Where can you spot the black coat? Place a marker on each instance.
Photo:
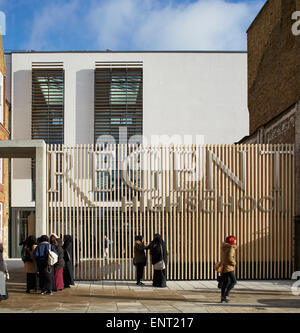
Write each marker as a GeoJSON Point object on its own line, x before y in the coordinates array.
{"type": "Point", "coordinates": [68, 258]}
{"type": "Point", "coordinates": [158, 252]}
{"type": "Point", "coordinates": [68, 252]}
{"type": "Point", "coordinates": [139, 253]}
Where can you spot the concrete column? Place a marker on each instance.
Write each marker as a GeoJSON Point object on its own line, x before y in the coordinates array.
{"type": "Point", "coordinates": [297, 187]}
{"type": "Point", "coordinates": [41, 195]}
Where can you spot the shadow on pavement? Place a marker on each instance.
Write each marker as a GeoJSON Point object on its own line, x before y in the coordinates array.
{"type": "Point", "coordinates": [280, 303]}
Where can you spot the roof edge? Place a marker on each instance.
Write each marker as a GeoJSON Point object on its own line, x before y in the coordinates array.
{"type": "Point", "coordinates": [183, 51]}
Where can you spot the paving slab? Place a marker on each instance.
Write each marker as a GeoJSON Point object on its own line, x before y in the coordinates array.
{"type": "Point", "coordinates": [267, 296]}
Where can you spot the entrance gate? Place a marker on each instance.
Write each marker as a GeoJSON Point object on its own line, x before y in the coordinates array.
{"type": "Point", "coordinates": [194, 196]}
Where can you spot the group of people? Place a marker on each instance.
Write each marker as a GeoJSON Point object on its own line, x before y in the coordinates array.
{"type": "Point", "coordinates": [159, 260]}
{"type": "Point", "coordinates": [35, 255]}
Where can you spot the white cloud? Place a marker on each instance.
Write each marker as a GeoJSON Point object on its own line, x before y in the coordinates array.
{"type": "Point", "coordinates": [169, 25]}
{"type": "Point", "coordinates": [51, 23]}
{"type": "Point", "coordinates": [142, 25]}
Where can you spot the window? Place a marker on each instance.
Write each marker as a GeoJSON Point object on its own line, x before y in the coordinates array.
{"type": "Point", "coordinates": [1, 98]}
{"type": "Point", "coordinates": [48, 105]}
{"type": "Point", "coordinates": [47, 116]}
{"type": "Point", "coordinates": [118, 102]}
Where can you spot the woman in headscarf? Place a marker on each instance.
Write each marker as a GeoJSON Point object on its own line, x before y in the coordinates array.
{"type": "Point", "coordinates": [3, 276]}
{"type": "Point", "coordinates": [159, 258]}
{"type": "Point", "coordinates": [46, 272]}
{"type": "Point", "coordinates": [68, 255]}
{"type": "Point", "coordinates": [59, 266]}
{"type": "Point", "coordinates": [30, 264]}
{"type": "Point", "coordinates": [139, 259]}
{"type": "Point", "coordinates": [228, 262]}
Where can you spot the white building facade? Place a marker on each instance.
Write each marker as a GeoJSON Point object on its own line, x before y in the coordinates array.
{"type": "Point", "coordinates": [163, 97]}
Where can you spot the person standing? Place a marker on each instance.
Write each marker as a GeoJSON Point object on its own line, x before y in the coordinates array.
{"type": "Point", "coordinates": [3, 276]}
{"type": "Point", "coordinates": [77, 252]}
{"type": "Point", "coordinates": [139, 259]}
{"type": "Point", "coordinates": [30, 264]}
{"type": "Point", "coordinates": [59, 266]}
{"type": "Point", "coordinates": [68, 268]}
{"type": "Point", "coordinates": [159, 258]}
{"type": "Point", "coordinates": [106, 244]}
{"type": "Point", "coordinates": [46, 272]}
{"type": "Point", "coordinates": [228, 261]}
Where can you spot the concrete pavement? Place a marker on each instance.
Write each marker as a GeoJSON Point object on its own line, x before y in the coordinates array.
{"type": "Point", "coordinates": [126, 297]}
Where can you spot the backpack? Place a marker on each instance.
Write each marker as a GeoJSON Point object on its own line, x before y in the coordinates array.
{"type": "Point", "coordinates": [25, 255]}
{"type": "Point", "coordinates": [52, 258]}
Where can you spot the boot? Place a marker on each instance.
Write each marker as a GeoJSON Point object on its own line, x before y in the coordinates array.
{"type": "Point", "coordinates": [224, 299]}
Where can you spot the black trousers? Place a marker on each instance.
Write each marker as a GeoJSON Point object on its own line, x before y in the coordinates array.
{"type": "Point", "coordinates": [139, 272]}
{"type": "Point", "coordinates": [31, 281]}
{"type": "Point", "coordinates": [229, 280]}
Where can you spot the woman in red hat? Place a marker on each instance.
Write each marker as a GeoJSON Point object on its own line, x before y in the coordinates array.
{"type": "Point", "coordinates": [228, 261]}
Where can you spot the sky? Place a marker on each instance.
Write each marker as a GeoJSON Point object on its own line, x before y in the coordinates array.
{"type": "Point", "coordinates": [127, 25]}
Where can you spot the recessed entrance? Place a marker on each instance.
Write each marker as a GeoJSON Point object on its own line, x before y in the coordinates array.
{"type": "Point", "coordinates": [22, 225]}
{"type": "Point", "coordinates": [27, 220]}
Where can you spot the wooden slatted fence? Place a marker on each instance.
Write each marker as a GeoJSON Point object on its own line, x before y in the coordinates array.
{"type": "Point", "coordinates": [194, 196]}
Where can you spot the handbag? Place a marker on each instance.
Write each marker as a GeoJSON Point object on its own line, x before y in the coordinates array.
{"type": "Point", "coordinates": [219, 267]}
{"type": "Point", "coordinates": [52, 258]}
{"type": "Point", "coordinates": [160, 265]}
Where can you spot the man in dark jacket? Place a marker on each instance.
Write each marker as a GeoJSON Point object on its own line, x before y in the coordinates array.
{"type": "Point", "coordinates": [46, 272]}
{"type": "Point", "coordinates": [139, 259]}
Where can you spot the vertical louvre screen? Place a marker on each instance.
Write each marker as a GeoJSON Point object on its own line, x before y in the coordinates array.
{"type": "Point", "coordinates": [194, 196]}
{"type": "Point", "coordinates": [118, 102]}
{"type": "Point", "coordinates": [48, 105]}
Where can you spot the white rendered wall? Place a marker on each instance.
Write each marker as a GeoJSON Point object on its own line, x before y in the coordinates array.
{"type": "Point", "coordinates": [184, 93]}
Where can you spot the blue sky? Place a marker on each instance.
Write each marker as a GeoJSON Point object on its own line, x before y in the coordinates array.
{"type": "Point", "coordinates": [48, 25]}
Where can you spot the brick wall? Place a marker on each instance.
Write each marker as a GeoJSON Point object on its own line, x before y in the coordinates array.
{"type": "Point", "coordinates": [4, 187]}
{"type": "Point", "coordinates": [280, 129]}
{"type": "Point", "coordinates": [273, 63]}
